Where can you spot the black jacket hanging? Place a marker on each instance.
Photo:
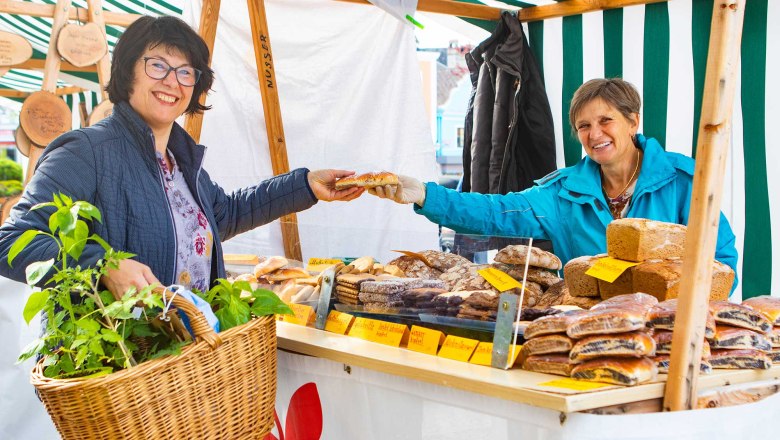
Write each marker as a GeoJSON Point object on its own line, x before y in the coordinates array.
{"type": "Point", "coordinates": [510, 138]}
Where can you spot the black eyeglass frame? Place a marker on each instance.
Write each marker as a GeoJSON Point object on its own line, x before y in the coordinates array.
{"type": "Point", "coordinates": [175, 71]}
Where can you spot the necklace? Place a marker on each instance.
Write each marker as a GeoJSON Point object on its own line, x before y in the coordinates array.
{"type": "Point", "coordinates": [631, 179]}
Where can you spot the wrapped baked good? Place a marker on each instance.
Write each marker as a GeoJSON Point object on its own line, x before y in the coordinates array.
{"type": "Point", "coordinates": [739, 338]}
{"type": "Point", "coordinates": [633, 300]}
{"type": "Point", "coordinates": [774, 337]}
{"type": "Point", "coordinates": [769, 306]}
{"type": "Point", "coordinates": [578, 282]}
{"type": "Point", "coordinates": [740, 359]}
{"type": "Point", "coordinates": [547, 325]}
{"type": "Point", "coordinates": [663, 343]}
{"type": "Point", "coordinates": [774, 355]}
{"type": "Point", "coordinates": [662, 316]}
{"type": "Point", "coordinates": [634, 344]}
{"type": "Point", "coordinates": [639, 239]}
{"type": "Point", "coordinates": [618, 371]}
{"type": "Point", "coordinates": [549, 363]}
{"type": "Point", "coordinates": [518, 254]}
{"type": "Point", "coordinates": [367, 180]}
{"type": "Point", "coordinates": [557, 343]}
{"type": "Point", "coordinates": [662, 362]}
{"type": "Point", "coordinates": [739, 315]}
{"type": "Point", "coordinates": [606, 321]}
{"type": "Point", "coordinates": [269, 265]}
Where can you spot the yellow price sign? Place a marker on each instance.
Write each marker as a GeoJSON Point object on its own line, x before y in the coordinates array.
{"type": "Point", "coordinates": [363, 328]}
{"type": "Point", "coordinates": [498, 279]}
{"type": "Point", "coordinates": [338, 322]}
{"type": "Point", "coordinates": [574, 384]}
{"type": "Point", "coordinates": [457, 348]}
{"type": "Point", "coordinates": [320, 264]}
{"type": "Point", "coordinates": [302, 314]}
{"type": "Point", "coordinates": [609, 269]}
{"type": "Point", "coordinates": [483, 355]}
{"type": "Point", "coordinates": [425, 340]}
{"type": "Point", "coordinates": [389, 333]}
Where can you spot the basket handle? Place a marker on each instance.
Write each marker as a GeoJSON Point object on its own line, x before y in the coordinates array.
{"type": "Point", "coordinates": [200, 326]}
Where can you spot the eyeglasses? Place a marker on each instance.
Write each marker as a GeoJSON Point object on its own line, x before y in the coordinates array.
{"type": "Point", "coordinates": [156, 68]}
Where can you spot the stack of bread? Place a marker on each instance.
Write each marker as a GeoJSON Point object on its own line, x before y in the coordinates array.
{"type": "Point", "coordinates": [607, 343]}
{"type": "Point", "coordinates": [660, 320]}
{"type": "Point", "coordinates": [770, 307]}
{"type": "Point", "coordinates": [293, 284]}
{"type": "Point", "coordinates": [741, 337]}
{"type": "Point", "coordinates": [658, 247]}
{"type": "Point", "coordinates": [387, 294]}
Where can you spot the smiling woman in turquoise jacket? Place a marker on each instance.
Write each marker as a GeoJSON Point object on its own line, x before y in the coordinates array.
{"type": "Point", "coordinates": [624, 174]}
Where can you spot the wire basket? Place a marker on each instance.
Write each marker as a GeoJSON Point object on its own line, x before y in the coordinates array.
{"type": "Point", "coordinates": [222, 386]}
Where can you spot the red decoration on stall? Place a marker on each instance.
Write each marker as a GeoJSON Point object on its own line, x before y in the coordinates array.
{"type": "Point", "coordinates": [304, 416]}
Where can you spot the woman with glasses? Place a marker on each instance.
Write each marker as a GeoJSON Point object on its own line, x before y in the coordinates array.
{"type": "Point", "coordinates": [145, 174]}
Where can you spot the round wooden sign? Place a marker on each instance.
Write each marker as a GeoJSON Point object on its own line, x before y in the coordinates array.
{"type": "Point", "coordinates": [44, 116]}
{"type": "Point", "coordinates": [100, 112]}
{"type": "Point", "coordinates": [23, 143]}
{"type": "Point", "coordinates": [14, 49]}
{"type": "Point", "coordinates": [82, 45]}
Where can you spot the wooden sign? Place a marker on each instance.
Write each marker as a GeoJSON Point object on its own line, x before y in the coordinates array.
{"type": "Point", "coordinates": [82, 45]}
{"type": "Point", "coordinates": [23, 143]}
{"type": "Point", "coordinates": [100, 112]}
{"type": "Point", "coordinates": [14, 49]}
{"type": "Point", "coordinates": [44, 116]}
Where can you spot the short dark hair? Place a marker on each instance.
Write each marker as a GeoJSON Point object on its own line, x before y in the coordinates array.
{"type": "Point", "coordinates": [150, 32]}
{"type": "Point", "coordinates": [617, 92]}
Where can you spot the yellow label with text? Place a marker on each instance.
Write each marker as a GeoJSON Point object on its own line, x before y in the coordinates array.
{"type": "Point", "coordinates": [303, 314]}
{"type": "Point", "coordinates": [362, 328]}
{"type": "Point", "coordinates": [338, 322]}
{"type": "Point", "coordinates": [498, 279]}
{"type": "Point", "coordinates": [609, 269]}
{"type": "Point", "coordinates": [574, 384]}
{"type": "Point", "coordinates": [389, 333]}
{"type": "Point", "coordinates": [483, 355]}
{"type": "Point", "coordinates": [425, 340]}
{"type": "Point", "coordinates": [320, 264]}
{"type": "Point", "coordinates": [457, 348]}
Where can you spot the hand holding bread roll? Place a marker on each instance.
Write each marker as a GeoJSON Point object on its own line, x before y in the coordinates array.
{"type": "Point", "coordinates": [408, 190]}
{"type": "Point", "coordinates": [323, 185]}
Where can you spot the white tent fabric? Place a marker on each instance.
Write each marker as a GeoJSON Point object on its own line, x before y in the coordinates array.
{"type": "Point", "coordinates": [350, 90]}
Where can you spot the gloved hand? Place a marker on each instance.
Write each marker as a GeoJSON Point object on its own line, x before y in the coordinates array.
{"type": "Point", "coordinates": [408, 190]}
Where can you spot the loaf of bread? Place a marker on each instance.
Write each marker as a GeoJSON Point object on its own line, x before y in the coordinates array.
{"type": "Point", "coordinates": [443, 261]}
{"type": "Point", "coordinates": [414, 268]}
{"type": "Point", "coordinates": [769, 306]}
{"type": "Point", "coordinates": [622, 285]}
{"type": "Point", "coordinates": [553, 296]}
{"type": "Point", "coordinates": [662, 316]}
{"type": "Point", "coordinates": [549, 363]}
{"type": "Point", "coordinates": [577, 281]}
{"type": "Point", "coordinates": [548, 344]}
{"type": "Point", "coordinates": [661, 278]}
{"type": "Point", "coordinates": [738, 315]}
{"type": "Point", "coordinates": [287, 274]}
{"type": "Point", "coordinates": [619, 371]}
{"type": "Point", "coordinates": [518, 254]}
{"type": "Point", "coordinates": [638, 239]}
{"type": "Point", "coordinates": [367, 180]}
{"type": "Point", "coordinates": [583, 302]}
{"type": "Point", "coordinates": [269, 265]}
{"type": "Point", "coordinates": [739, 338]}
{"type": "Point", "coordinates": [634, 344]}
{"type": "Point", "coordinates": [747, 359]}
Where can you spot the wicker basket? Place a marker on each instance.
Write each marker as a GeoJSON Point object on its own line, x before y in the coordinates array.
{"type": "Point", "coordinates": [222, 386]}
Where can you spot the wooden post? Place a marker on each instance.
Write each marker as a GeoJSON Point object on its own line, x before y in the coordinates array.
{"type": "Point", "coordinates": [701, 238]}
{"type": "Point", "coordinates": [104, 65]}
{"type": "Point", "coordinates": [273, 117]}
{"type": "Point", "coordinates": [209, 18]}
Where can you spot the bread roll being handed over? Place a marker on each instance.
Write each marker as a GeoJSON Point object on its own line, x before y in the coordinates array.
{"type": "Point", "coordinates": [368, 180]}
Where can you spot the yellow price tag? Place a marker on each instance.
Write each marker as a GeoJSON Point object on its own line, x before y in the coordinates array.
{"type": "Point", "coordinates": [425, 340]}
{"type": "Point", "coordinates": [338, 322]}
{"type": "Point", "coordinates": [483, 355]}
{"type": "Point", "coordinates": [457, 348]}
{"type": "Point", "coordinates": [608, 268]}
{"type": "Point", "coordinates": [498, 279]}
{"type": "Point", "coordinates": [303, 314]}
{"type": "Point", "coordinates": [389, 333]}
{"type": "Point", "coordinates": [363, 328]}
{"type": "Point", "coordinates": [320, 264]}
{"type": "Point", "coordinates": [574, 384]}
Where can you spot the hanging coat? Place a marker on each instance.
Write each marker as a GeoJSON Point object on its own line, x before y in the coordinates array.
{"type": "Point", "coordinates": [512, 140]}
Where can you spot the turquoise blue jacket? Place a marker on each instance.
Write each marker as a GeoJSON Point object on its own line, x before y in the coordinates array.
{"type": "Point", "coordinates": [568, 206]}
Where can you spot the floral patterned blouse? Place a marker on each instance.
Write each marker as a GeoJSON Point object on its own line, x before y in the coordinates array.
{"type": "Point", "coordinates": [619, 205]}
{"type": "Point", "coordinates": [194, 236]}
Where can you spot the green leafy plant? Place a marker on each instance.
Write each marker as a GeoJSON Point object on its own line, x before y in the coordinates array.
{"type": "Point", "coordinates": [88, 332]}
{"type": "Point", "coordinates": [236, 303]}
{"type": "Point", "coordinates": [10, 170]}
{"type": "Point", "coordinates": [10, 188]}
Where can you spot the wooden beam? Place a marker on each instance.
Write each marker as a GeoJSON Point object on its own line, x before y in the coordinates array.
{"type": "Point", "coordinates": [40, 10]}
{"type": "Point", "coordinates": [701, 236]}
{"type": "Point", "coordinates": [575, 7]}
{"type": "Point", "coordinates": [450, 7]}
{"type": "Point", "coordinates": [69, 90]}
{"type": "Point", "coordinates": [209, 18]}
{"type": "Point", "coordinates": [95, 9]}
{"type": "Point", "coordinates": [40, 64]}
{"type": "Point", "coordinates": [52, 65]}
{"type": "Point", "coordinates": [273, 117]}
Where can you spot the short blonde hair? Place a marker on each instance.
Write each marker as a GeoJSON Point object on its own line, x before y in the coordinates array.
{"type": "Point", "coordinates": [616, 92]}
